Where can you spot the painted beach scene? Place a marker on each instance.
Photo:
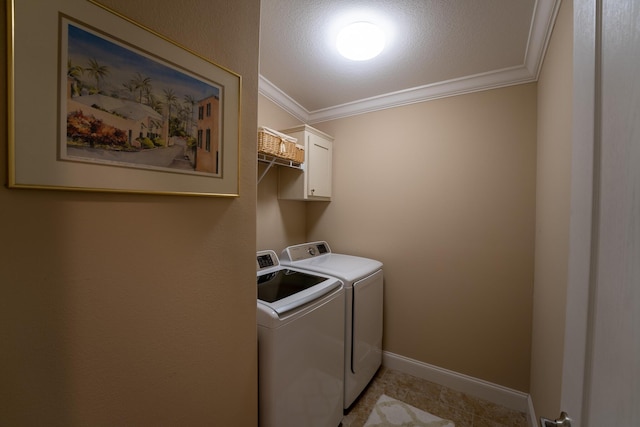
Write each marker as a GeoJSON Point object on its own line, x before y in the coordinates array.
{"type": "Point", "coordinates": [125, 107]}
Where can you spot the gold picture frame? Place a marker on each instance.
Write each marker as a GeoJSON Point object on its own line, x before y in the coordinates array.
{"type": "Point", "coordinates": [99, 102]}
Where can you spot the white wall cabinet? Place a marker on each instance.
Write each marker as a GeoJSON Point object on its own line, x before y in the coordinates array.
{"type": "Point", "coordinates": [313, 180]}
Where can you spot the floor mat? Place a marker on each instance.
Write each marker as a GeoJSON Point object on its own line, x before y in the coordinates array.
{"type": "Point", "coordinates": [390, 412]}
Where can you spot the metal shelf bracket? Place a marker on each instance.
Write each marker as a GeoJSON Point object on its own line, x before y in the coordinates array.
{"type": "Point", "coordinates": [276, 161]}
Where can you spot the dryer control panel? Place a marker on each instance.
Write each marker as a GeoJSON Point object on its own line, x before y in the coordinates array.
{"type": "Point", "coordinates": [305, 251]}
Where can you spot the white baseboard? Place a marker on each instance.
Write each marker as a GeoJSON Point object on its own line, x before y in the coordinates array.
{"type": "Point", "coordinates": [495, 393]}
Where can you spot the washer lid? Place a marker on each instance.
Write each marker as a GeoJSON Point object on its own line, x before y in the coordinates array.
{"type": "Point", "coordinates": [285, 289]}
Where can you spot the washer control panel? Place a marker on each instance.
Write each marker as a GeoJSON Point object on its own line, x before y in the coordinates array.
{"type": "Point", "coordinates": [266, 259]}
{"type": "Point", "coordinates": [305, 251]}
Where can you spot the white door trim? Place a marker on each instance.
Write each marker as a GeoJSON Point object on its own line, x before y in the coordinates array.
{"type": "Point", "coordinates": [584, 200]}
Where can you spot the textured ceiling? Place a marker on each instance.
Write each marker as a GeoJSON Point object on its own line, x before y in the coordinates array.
{"type": "Point", "coordinates": [436, 48]}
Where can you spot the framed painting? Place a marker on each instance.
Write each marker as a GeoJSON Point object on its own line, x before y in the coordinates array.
{"type": "Point", "coordinates": [98, 102]}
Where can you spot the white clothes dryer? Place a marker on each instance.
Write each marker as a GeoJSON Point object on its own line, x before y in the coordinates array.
{"type": "Point", "coordinates": [363, 283]}
{"type": "Point", "coordinates": [300, 318]}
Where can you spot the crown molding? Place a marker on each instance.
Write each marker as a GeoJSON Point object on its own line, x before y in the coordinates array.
{"type": "Point", "coordinates": [544, 18]}
{"type": "Point", "coordinates": [464, 85]}
{"type": "Point", "coordinates": [545, 12]}
{"type": "Point", "coordinates": [284, 101]}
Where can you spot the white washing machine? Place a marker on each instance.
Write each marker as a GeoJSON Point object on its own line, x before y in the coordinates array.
{"type": "Point", "coordinates": [363, 283]}
{"type": "Point", "coordinates": [300, 346]}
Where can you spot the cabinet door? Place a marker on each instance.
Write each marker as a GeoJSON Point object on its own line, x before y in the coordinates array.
{"type": "Point", "coordinates": [319, 166]}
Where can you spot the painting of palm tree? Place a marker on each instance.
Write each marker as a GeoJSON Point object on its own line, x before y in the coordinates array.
{"type": "Point", "coordinates": [128, 108]}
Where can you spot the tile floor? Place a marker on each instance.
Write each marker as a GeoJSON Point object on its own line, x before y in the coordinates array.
{"type": "Point", "coordinates": [462, 409]}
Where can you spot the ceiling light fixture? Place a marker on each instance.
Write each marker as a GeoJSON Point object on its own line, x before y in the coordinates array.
{"type": "Point", "coordinates": [360, 41]}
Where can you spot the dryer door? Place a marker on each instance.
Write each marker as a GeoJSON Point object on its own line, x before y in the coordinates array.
{"type": "Point", "coordinates": [367, 324]}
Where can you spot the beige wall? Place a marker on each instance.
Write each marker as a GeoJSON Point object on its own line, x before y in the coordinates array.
{"type": "Point", "coordinates": [443, 193]}
{"type": "Point", "coordinates": [552, 215]}
{"type": "Point", "coordinates": [132, 309]}
{"type": "Point", "coordinates": [280, 223]}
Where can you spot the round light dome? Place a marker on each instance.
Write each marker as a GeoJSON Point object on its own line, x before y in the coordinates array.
{"type": "Point", "coordinates": [360, 41]}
